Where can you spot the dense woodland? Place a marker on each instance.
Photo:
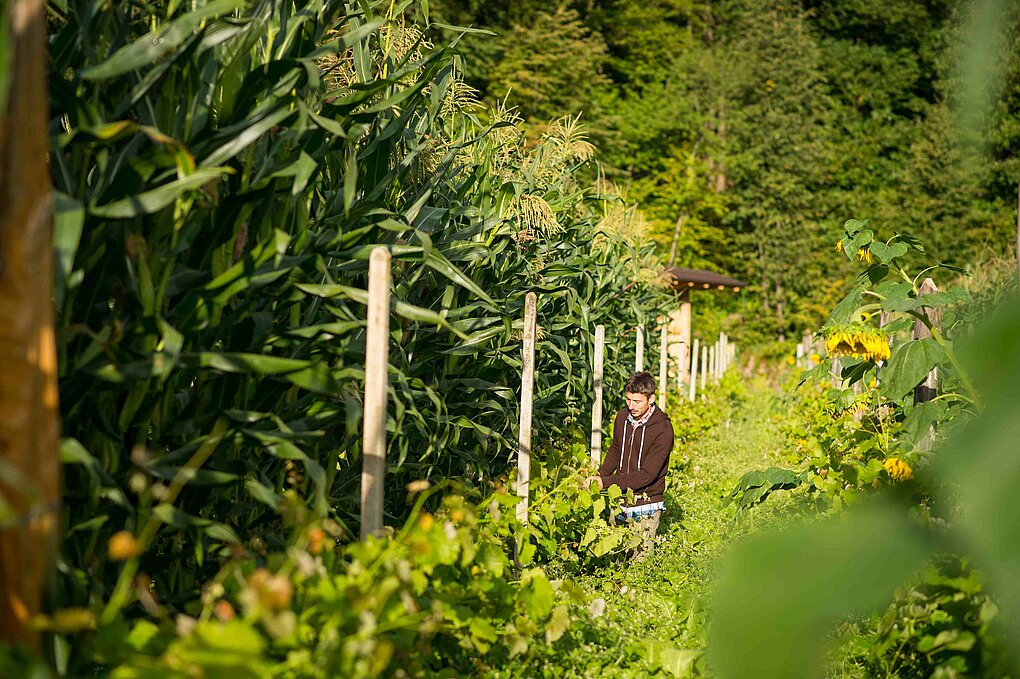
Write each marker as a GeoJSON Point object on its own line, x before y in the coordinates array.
{"type": "Point", "coordinates": [765, 125]}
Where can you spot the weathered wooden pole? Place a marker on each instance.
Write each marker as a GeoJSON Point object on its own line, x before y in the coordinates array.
{"type": "Point", "coordinates": [1018, 230]}
{"type": "Point", "coordinates": [800, 355]}
{"type": "Point", "coordinates": [596, 408]}
{"type": "Point", "coordinates": [704, 367]}
{"type": "Point", "coordinates": [713, 357]}
{"type": "Point", "coordinates": [694, 370]}
{"type": "Point", "coordinates": [663, 366]}
{"type": "Point", "coordinates": [527, 397]}
{"type": "Point", "coordinates": [929, 388]}
{"type": "Point", "coordinates": [377, 351]}
{"type": "Point", "coordinates": [685, 340]}
{"type": "Point", "coordinates": [29, 419]}
{"type": "Point", "coordinates": [724, 353]}
{"type": "Point", "coordinates": [639, 354]}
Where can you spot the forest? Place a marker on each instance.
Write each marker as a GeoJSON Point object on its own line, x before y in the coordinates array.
{"type": "Point", "coordinates": [763, 126]}
{"type": "Point", "coordinates": [315, 317]}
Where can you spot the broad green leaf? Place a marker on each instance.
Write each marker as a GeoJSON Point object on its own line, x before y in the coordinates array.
{"type": "Point", "coordinates": [909, 365]}
{"type": "Point", "coordinates": [887, 253]}
{"type": "Point", "coordinates": [159, 44]}
{"type": "Point", "coordinates": [536, 594]}
{"type": "Point", "coordinates": [981, 458]}
{"type": "Point", "coordinates": [777, 597]}
{"type": "Point", "coordinates": [158, 198]}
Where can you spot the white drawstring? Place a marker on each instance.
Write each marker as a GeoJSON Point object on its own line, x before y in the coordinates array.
{"type": "Point", "coordinates": [641, 448]}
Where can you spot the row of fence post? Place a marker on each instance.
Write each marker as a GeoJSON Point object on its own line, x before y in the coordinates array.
{"type": "Point", "coordinates": [712, 365]}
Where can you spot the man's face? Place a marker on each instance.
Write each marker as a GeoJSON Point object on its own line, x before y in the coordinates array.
{"type": "Point", "coordinates": [638, 404]}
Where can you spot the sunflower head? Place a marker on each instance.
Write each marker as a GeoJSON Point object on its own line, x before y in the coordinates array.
{"type": "Point", "coordinates": [898, 469]}
{"type": "Point", "coordinates": [859, 341]}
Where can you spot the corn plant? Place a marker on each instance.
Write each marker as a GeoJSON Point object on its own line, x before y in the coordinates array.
{"type": "Point", "coordinates": [223, 169]}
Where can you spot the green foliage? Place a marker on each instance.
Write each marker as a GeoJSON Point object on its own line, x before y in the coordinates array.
{"type": "Point", "coordinates": [568, 524]}
{"type": "Point", "coordinates": [758, 124]}
{"type": "Point", "coordinates": [846, 431]}
{"type": "Point", "coordinates": [754, 487]}
{"type": "Point", "coordinates": [714, 405]}
{"type": "Point", "coordinates": [550, 67]}
{"type": "Point", "coordinates": [941, 623]}
{"type": "Point", "coordinates": [440, 593]}
{"type": "Point", "coordinates": [940, 626]}
{"type": "Point", "coordinates": [212, 263]}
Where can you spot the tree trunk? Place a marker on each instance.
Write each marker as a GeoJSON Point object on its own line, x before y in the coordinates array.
{"type": "Point", "coordinates": [29, 423]}
{"type": "Point", "coordinates": [676, 239]}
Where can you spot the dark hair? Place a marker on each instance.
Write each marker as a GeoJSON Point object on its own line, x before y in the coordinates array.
{"type": "Point", "coordinates": [640, 383]}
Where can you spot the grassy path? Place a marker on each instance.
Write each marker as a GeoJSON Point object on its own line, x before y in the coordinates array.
{"type": "Point", "coordinates": [653, 621]}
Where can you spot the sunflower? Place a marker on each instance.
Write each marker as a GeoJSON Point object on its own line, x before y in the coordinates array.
{"type": "Point", "coordinates": [864, 254]}
{"type": "Point", "coordinates": [859, 341]}
{"type": "Point", "coordinates": [898, 469]}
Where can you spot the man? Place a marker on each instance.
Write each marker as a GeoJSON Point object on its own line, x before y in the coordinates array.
{"type": "Point", "coordinates": [638, 458]}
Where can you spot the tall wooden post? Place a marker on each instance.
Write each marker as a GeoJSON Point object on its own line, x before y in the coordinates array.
{"type": "Point", "coordinates": [694, 370]}
{"type": "Point", "coordinates": [527, 398]}
{"type": "Point", "coordinates": [927, 390]}
{"type": "Point", "coordinates": [377, 351]}
{"type": "Point", "coordinates": [713, 356]}
{"type": "Point", "coordinates": [29, 420]}
{"type": "Point", "coordinates": [596, 408]}
{"type": "Point", "coordinates": [704, 367]}
{"type": "Point", "coordinates": [663, 366]}
{"type": "Point", "coordinates": [725, 354]}
{"type": "Point", "coordinates": [639, 354]}
{"type": "Point", "coordinates": [685, 339]}
{"type": "Point", "coordinates": [1018, 230]}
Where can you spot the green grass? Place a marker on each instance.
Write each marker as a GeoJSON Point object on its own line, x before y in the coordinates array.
{"type": "Point", "coordinates": [654, 619]}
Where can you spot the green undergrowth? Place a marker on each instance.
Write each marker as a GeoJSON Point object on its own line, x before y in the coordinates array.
{"type": "Point", "coordinates": [647, 617]}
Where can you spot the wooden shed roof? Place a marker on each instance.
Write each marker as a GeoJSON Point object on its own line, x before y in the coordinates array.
{"type": "Point", "coordinates": [696, 279]}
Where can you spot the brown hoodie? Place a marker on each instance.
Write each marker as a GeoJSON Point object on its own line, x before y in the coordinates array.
{"type": "Point", "coordinates": [638, 458]}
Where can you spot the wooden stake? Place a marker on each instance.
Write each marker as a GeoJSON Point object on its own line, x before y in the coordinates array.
{"type": "Point", "coordinates": [704, 368]}
{"type": "Point", "coordinates": [685, 347]}
{"type": "Point", "coordinates": [639, 354]}
{"type": "Point", "coordinates": [723, 353]}
{"type": "Point", "coordinates": [663, 367]}
{"type": "Point", "coordinates": [596, 408]}
{"type": "Point", "coordinates": [29, 418]}
{"type": "Point", "coordinates": [377, 350]}
{"type": "Point", "coordinates": [527, 397]}
{"type": "Point", "coordinates": [694, 370]}
{"type": "Point", "coordinates": [1018, 230]}
{"type": "Point", "coordinates": [713, 357]}
{"type": "Point", "coordinates": [927, 390]}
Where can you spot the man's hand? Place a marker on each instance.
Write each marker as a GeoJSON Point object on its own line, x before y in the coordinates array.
{"type": "Point", "coordinates": [597, 480]}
